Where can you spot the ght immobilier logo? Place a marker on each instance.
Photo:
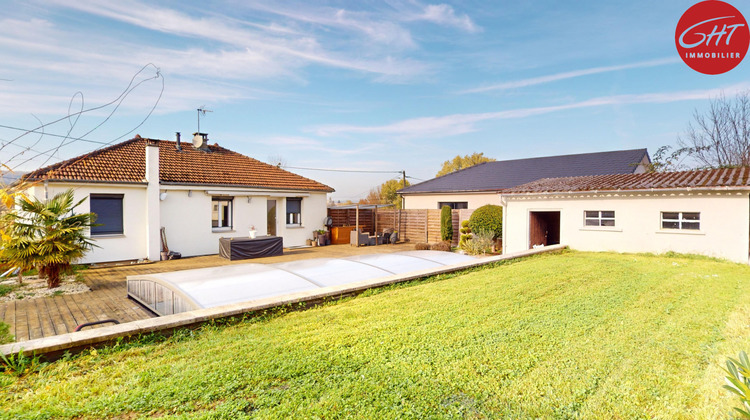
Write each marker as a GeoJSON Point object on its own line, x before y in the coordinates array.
{"type": "Point", "coordinates": [712, 37]}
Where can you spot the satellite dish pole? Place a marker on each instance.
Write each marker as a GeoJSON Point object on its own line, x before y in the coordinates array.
{"type": "Point", "coordinates": [201, 110]}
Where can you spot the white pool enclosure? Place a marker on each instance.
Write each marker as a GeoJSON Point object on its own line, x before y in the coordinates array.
{"type": "Point", "coordinates": [182, 291]}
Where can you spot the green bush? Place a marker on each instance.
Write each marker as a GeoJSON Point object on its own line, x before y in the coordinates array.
{"type": "Point", "coordinates": [738, 382]}
{"type": "Point", "coordinates": [487, 218]}
{"type": "Point", "coordinates": [446, 224]}
{"type": "Point", "coordinates": [465, 234]}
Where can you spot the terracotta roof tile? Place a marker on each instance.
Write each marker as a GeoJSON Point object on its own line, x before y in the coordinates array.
{"type": "Point", "coordinates": [709, 178]}
{"type": "Point", "coordinates": [126, 162]}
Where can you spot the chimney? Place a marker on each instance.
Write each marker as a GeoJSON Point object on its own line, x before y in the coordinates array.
{"type": "Point", "coordinates": [177, 137]}
{"type": "Point", "coordinates": [200, 141]}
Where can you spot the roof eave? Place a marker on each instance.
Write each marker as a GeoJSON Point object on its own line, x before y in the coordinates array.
{"type": "Point", "coordinates": [639, 190]}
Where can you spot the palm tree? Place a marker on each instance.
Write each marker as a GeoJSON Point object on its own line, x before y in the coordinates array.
{"type": "Point", "coordinates": [46, 234]}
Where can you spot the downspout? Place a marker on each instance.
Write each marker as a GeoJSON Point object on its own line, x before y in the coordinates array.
{"type": "Point", "coordinates": [153, 210]}
{"type": "Point", "coordinates": [503, 204]}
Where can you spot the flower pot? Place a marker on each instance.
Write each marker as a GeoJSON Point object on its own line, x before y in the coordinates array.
{"type": "Point", "coordinates": [253, 233]}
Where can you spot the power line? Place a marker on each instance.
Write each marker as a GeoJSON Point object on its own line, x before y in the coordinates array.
{"type": "Point", "coordinates": [51, 135]}
{"type": "Point", "coordinates": [342, 170]}
{"type": "Point", "coordinates": [68, 140]}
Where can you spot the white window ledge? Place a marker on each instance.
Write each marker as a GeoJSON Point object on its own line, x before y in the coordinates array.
{"type": "Point", "coordinates": [681, 232]}
{"type": "Point", "coordinates": [222, 230]}
{"type": "Point", "coordinates": [108, 235]}
{"type": "Point", "coordinates": [295, 227]}
{"type": "Point", "coordinates": [601, 229]}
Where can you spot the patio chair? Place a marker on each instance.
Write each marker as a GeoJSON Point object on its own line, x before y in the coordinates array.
{"type": "Point", "coordinates": [358, 238]}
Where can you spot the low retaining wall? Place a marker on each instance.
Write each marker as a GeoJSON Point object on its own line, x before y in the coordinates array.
{"type": "Point", "coordinates": [54, 346]}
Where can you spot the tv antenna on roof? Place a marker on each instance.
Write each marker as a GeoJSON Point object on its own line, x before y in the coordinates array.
{"type": "Point", "coordinates": [202, 111]}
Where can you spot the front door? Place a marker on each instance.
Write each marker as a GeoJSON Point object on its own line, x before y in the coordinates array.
{"type": "Point", "coordinates": [271, 217]}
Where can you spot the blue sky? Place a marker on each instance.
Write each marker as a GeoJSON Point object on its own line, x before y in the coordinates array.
{"type": "Point", "coordinates": [382, 85]}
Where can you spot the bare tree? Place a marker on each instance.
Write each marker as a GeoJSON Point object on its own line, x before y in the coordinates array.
{"type": "Point", "coordinates": [720, 137]}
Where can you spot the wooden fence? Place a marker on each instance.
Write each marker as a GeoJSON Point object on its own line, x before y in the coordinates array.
{"type": "Point", "coordinates": [412, 225]}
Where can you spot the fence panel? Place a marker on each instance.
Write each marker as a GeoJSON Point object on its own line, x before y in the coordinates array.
{"type": "Point", "coordinates": [414, 225]}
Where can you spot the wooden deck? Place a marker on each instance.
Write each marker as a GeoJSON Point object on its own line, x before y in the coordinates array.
{"type": "Point", "coordinates": [44, 317]}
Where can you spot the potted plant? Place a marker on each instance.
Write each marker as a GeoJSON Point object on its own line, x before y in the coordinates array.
{"type": "Point", "coordinates": [321, 237]}
{"type": "Point", "coordinates": [252, 232]}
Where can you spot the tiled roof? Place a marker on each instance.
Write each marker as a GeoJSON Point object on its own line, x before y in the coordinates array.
{"type": "Point", "coordinates": [496, 176]}
{"type": "Point", "coordinates": [738, 178]}
{"type": "Point", "coordinates": [126, 162]}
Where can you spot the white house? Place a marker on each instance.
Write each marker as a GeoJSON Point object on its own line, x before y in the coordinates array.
{"type": "Point", "coordinates": [197, 193]}
{"type": "Point", "coordinates": [700, 212]}
{"type": "Point", "coordinates": [478, 185]}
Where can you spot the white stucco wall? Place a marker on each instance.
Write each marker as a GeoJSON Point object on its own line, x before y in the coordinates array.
{"type": "Point", "coordinates": [430, 201]}
{"type": "Point", "coordinates": [131, 244]}
{"type": "Point", "coordinates": [724, 216]}
{"type": "Point", "coordinates": [187, 218]}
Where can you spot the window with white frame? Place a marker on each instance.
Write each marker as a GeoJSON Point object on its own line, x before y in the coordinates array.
{"type": "Point", "coordinates": [294, 211]}
{"type": "Point", "coordinates": [599, 218]}
{"type": "Point", "coordinates": [680, 220]}
{"type": "Point", "coordinates": [221, 212]}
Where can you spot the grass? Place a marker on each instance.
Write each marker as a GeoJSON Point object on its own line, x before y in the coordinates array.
{"type": "Point", "coordinates": [591, 335]}
{"type": "Point", "coordinates": [6, 289]}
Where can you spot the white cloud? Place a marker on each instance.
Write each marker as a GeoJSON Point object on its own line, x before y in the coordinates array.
{"type": "Point", "coordinates": [569, 75]}
{"type": "Point", "coordinates": [274, 45]}
{"type": "Point", "coordinates": [444, 14]}
{"type": "Point", "coordinates": [454, 124]}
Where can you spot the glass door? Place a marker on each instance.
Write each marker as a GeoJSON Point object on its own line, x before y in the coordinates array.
{"type": "Point", "coordinates": [271, 217]}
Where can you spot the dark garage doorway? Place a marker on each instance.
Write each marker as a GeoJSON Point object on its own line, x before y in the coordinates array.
{"type": "Point", "coordinates": [544, 228]}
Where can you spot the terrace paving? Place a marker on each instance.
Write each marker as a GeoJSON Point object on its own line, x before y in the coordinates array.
{"type": "Point", "coordinates": [55, 315]}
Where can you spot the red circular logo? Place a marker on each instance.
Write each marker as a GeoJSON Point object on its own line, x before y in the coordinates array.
{"type": "Point", "coordinates": [712, 37]}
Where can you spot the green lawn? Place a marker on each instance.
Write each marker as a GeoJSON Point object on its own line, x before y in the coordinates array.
{"type": "Point", "coordinates": [591, 335]}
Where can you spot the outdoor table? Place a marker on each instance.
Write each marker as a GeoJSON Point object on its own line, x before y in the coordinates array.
{"type": "Point", "coordinates": [244, 248]}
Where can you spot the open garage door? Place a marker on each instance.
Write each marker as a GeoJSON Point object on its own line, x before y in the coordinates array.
{"type": "Point", "coordinates": [544, 228]}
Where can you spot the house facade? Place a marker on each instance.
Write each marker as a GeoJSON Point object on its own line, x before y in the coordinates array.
{"type": "Point", "coordinates": [197, 194]}
{"type": "Point", "coordinates": [478, 185]}
{"type": "Point", "coordinates": [698, 212]}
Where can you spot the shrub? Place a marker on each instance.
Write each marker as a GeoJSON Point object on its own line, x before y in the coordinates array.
{"type": "Point", "coordinates": [421, 246]}
{"type": "Point", "coordinates": [441, 246]}
{"type": "Point", "coordinates": [465, 234]}
{"type": "Point", "coordinates": [5, 336]}
{"type": "Point", "coordinates": [738, 382]}
{"type": "Point", "coordinates": [446, 224]}
{"type": "Point", "coordinates": [488, 218]}
{"type": "Point", "coordinates": [480, 243]}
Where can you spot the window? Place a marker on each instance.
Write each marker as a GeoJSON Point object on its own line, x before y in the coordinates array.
{"type": "Point", "coordinates": [454, 205]}
{"type": "Point", "coordinates": [680, 220]}
{"type": "Point", "coordinates": [599, 218]}
{"type": "Point", "coordinates": [294, 211]}
{"type": "Point", "coordinates": [108, 210]}
{"type": "Point", "coordinates": [221, 212]}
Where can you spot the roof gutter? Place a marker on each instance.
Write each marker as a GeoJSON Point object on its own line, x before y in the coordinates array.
{"type": "Point", "coordinates": [194, 184]}
{"type": "Point", "coordinates": [621, 191]}
{"type": "Point", "coordinates": [81, 181]}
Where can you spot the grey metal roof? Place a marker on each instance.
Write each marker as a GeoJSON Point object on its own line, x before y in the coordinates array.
{"type": "Point", "coordinates": [496, 176]}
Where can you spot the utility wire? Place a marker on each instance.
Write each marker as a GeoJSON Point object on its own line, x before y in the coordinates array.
{"type": "Point", "coordinates": [342, 170]}
{"type": "Point", "coordinates": [50, 134]}
{"type": "Point", "coordinates": [118, 100]}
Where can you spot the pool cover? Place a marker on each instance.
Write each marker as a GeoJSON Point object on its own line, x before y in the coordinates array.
{"type": "Point", "coordinates": [181, 291]}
